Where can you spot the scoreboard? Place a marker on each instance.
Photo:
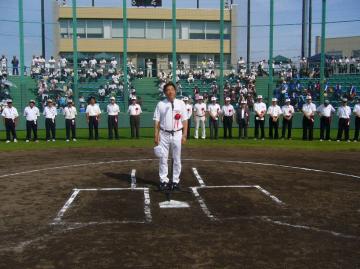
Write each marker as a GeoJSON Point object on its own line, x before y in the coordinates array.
{"type": "Point", "coordinates": [146, 3]}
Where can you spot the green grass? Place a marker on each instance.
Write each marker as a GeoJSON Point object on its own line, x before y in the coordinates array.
{"type": "Point", "coordinates": [146, 141]}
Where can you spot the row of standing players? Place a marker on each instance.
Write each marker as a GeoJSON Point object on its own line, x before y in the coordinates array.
{"type": "Point", "coordinates": [93, 113]}
{"type": "Point", "coordinates": [241, 115]}
{"type": "Point", "coordinates": [199, 111]}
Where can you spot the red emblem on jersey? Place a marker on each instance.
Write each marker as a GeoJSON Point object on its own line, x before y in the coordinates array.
{"type": "Point", "coordinates": [177, 116]}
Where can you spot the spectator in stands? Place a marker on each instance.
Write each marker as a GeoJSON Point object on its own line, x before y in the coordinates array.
{"type": "Point", "coordinates": [101, 93]}
{"type": "Point", "coordinates": [149, 67]}
{"type": "Point", "coordinates": [3, 63]}
{"type": "Point", "coordinates": [15, 66]}
{"type": "Point", "coordinates": [52, 63]}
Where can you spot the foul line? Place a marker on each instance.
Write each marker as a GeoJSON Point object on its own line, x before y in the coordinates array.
{"type": "Point", "coordinates": [304, 227]}
{"type": "Point", "coordinates": [274, 198]}
{"type": "Point", "coordinates": [198, 177]}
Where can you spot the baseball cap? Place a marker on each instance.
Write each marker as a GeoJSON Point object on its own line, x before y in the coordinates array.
{"type": "Point", "coordinates": [344, 100]}
{"type": "Point", "coordinates": [133, 98]}
{"type": "Point", "coordinates": [32, 101]}
{"type": "Point", "coordinates": [259, 97]}
{"type": "Point", "coordinates": [243, 102]}
{"type": "Point", "coordinates": [200, 97]}
{"type": "Point", "coordinates": [287, 100]}
{"type": "Point", "coordinates": [112, 98]}
{"type": "Point", "coordinates": [186, 98]}
{"type": "Point", "coordinates": [213, 98]}
{"type": "Point", "coordinates": [274, 100]}
{"type": "Point", "coordinates": [49, 101]}
{"type": "Point", "coordinates": [9, 101]}
{"type": "Point", "coordinates": [327, 102]}
{"type": "Point", "coordinates": [308, 97]}
{"type": "Point", "coordinates": [227, 99]}
{"type": "Point", "coordinates": [69, 101]}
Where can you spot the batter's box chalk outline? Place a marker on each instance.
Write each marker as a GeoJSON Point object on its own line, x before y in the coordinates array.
{"type": "Point", "coordinates": [210, 215]}
{"type": "Point", "coordinates": [58, 220]}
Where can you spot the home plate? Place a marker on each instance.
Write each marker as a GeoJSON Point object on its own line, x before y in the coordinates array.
{"type": "Point", "coordinates": [173, 204]}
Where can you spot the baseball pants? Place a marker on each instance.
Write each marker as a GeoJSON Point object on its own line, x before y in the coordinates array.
{"type": "Point", "coordinates": [200, 121]}
{"type": "Point", "coordinates": [168, 140]}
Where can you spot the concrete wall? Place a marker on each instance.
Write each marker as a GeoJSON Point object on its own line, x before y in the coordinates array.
{"type": "Point", "coordinates": [345, 44]}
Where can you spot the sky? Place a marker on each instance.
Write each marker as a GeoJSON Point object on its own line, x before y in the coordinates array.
{"type": "Point", "coordinates": [287, 39]}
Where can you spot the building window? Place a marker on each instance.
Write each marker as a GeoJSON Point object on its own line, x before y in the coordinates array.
{"type": "Point", "coordinates": [168, 30]}
{"type": "Point", "coordinates": [64, 28]}
{"type": "Point", "coordinates": [95, 29]}
{"type": "Point", "coordinates": [356, 53]}
{"type": "Point", "coordinates": [154, 30]}
{"type": "Point", "coordinates": [212, 30]}
{"type": "Point", "coordinates": [81, 29]}
{"type": "Point", "coordinates": [137, 29]}
{"type": "Point", "coordinates": [197, 30]}
{"type": "Point", "coordinates": [117, 29]}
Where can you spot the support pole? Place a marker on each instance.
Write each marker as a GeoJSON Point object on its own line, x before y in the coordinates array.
{"type": "Point", "coordinates": [43, 28]}
{"type": "Point", "coordinates": [174, 41]}
{"type": "Point", "coordinates": [310, 28]}
{"type": "Point", "coordinates": [221, 86]}
{"type": "Point", "coordinates": [248, 36]}
{"type": "Point", "coordinates": [322, 63]}
{"type": "Point", "coordinates": [197, 3]}
{"type": "Point", "coordinates": [75, 52]}
{"type": "Point", "coordinates": [21, 46]}
{"type": "Point", "coordinates": [271, 48]}
{"type": "Point", "coordinates": [125, 33]}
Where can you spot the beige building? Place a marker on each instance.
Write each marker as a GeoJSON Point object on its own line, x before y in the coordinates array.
{"type": "Point", "coordinates": [100, 34]}
{"type": "Point", "coordinates": [340, 46]}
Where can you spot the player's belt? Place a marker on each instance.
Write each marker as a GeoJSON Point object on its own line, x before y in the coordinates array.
{"type": "Point", "coordinates": [172, 132]}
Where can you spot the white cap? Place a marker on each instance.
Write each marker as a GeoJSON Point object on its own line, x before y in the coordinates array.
{"type": "Point", "coordinates": [159, 152]}
{"type": "Point", "coordinates": [227, 99]}
{"type": "Point", "coordinates": [69, 101]}
{"type": "Point", "coordinates": [274, 100]}
{"type": "Point", "coordinates": [259, 97]}
{"type": "Point", "coordinates": [9, 101]}
{"type": "Point", "coordinates": [243, 102]}
{"type": "Point", "coordinates": [133, 98]}
{"type": "Point", "coordinates": [112, 98]}
{"type": "Point", "coordinates": [213, 98]}
{"type": "Point", "coordinates": [49, 101]}
{"type": "Point", "coordinates": [200, 97]}
{"type": "Point", "coordinates": [308, 97]}
{"type": "Point", "coordinates": [32, 101]}
{"type": "Point", "coordinates": [186, 98]}
{"type": "Point", "coordinates": [287, 100]}
{"type": "Point", "coordinates": [344, 100]}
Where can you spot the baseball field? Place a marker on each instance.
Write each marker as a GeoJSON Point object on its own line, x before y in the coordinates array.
{"type": "Point", "coordinates": [242, 204]}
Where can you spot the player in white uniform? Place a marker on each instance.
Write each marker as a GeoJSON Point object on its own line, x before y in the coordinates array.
{"type": "Point", "coordinates": [200, 116]}
{"type": "Point", "coordinates": [214, 112]}
{"type": "Point", "coordinates": [170, 118]}
{"type": "Point", "coordinates": [189, 109]}
{"type": "Point", "coordinates": [274, 111]}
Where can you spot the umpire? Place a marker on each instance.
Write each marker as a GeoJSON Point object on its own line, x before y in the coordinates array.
{"type": "Point", "coordinates": [113, 117]}
{"type": "Point", "coordinates": [134, 112]}
{"type": "Point", "coordinates": [93, 113]}
{"type": "Point", "coordinates": [70, 114]}
{"type": "Point", "coordinates": [31, 113]}
{"type": "Point", "coordinates": [344, 114]}
{"type": "Point", "coordinates": [11, 116]}
{"type": "Point", "coordinates": [50, 114]}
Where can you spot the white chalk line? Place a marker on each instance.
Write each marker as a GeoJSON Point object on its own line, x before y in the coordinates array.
{"type": "Point", "coordinates": [267, 193]}
{"type": "Point", "coordinates": [310, 228]}
{"type": "Point", "coordinates": [66, 206]}
{"type": "Point", "coordinates": [58, 219]}
{"type": "Point", "coordinates": [273, 197]}
{"type": "Point", "coordinates": [199, 160]}
{"type": "Point", "coordinates": [198, 177]}
{"type": "Point", "coordinates": [202, 204]}
{"type": "Point", "coordinates": [133, 179]}
{"type": "Point", "coordinates": [147, 208]}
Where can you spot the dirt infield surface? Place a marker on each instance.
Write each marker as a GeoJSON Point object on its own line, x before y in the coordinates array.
{"type": "Point", "coordinates": [270, 210]}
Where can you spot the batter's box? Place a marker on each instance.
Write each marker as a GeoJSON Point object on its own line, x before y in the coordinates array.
{"type": "Point", "coordinates": [106, 205]}
{"type": "Point", "coordinates": [220, 202]}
